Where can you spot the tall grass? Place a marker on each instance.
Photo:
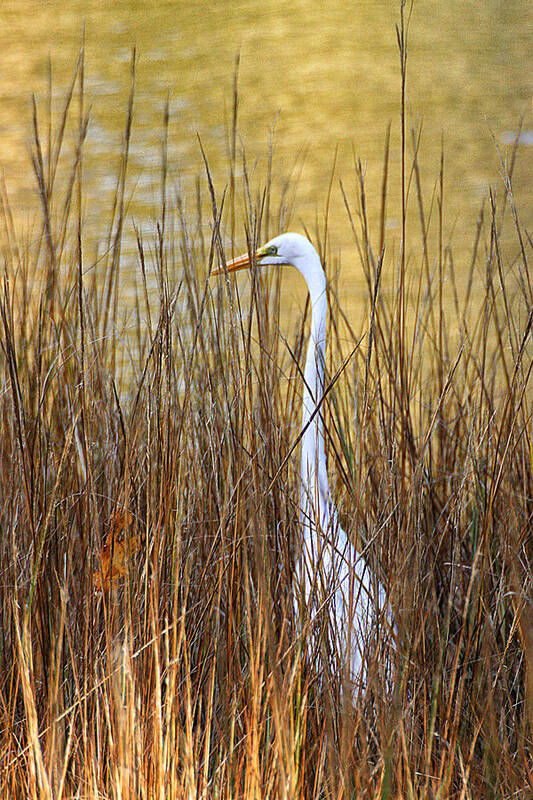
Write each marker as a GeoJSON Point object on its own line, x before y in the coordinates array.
{"type": "Point", "coordinates": [186, 675]}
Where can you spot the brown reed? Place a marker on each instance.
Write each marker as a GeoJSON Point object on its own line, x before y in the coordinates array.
{"type": "Point", "coordinates": [181, 673]}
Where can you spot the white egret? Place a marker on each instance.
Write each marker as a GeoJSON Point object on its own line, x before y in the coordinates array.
{"type": "Point", "coordinates": [332, 577]}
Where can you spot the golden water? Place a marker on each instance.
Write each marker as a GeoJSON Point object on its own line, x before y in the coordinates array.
{"type": "Point", "coordinates": [324, 75]}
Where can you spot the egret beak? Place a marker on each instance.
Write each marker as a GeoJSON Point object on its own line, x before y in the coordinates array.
{"type": "Point", "coordinates": [232, 266]}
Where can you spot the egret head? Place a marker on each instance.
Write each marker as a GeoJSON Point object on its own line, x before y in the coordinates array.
{"type": "Point", "coordinates": [288, 248]}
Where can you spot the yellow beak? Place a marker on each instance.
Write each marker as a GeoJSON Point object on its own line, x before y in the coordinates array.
{"type": "Point", "coordinates": [238, 263]}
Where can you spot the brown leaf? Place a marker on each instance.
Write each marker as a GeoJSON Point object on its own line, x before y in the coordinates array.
{"type": "Point", "coordinates": [117, 551]}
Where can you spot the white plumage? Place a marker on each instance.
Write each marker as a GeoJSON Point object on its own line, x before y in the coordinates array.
{"type": "Point", "coordinates": [332, 577]}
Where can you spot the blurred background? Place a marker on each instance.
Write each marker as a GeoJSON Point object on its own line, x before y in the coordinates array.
{"type": "Point", "coordinates": [321, 81]}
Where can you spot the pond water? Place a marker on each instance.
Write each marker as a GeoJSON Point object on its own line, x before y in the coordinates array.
{"type": "Point", "coordinates": [324, 76]}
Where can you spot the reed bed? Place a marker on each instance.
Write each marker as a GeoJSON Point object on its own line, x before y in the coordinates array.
{"type": "Point", "coordinates": [149, 499]}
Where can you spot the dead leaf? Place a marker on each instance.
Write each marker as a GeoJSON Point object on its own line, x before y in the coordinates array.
{"type": "Point", "coordinates": [116, 554]}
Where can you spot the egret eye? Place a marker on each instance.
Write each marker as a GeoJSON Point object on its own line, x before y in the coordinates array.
{"type": "Point", "coordinates": [272, 250]}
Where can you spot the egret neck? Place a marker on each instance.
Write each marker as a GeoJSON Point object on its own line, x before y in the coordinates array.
{"type": "Point", "coordinates": [316, 508]}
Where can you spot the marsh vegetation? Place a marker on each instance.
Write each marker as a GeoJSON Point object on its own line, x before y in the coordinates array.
{"type": "Point", "coordinates": [163, 424]}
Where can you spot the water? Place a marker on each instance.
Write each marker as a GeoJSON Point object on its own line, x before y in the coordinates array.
{"type": "Point", "coordinates": [325, 77]}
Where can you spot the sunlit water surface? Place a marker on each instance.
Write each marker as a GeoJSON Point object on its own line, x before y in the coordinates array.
{"type": "Point", "coordinates": [322, 79]}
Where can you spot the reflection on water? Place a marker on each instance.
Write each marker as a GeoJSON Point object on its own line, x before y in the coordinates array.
{"type": "Point", "coordinates": [324, 77]}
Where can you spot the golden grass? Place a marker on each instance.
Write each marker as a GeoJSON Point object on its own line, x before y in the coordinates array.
{"type": "Point", "coordinates": [183, 673]}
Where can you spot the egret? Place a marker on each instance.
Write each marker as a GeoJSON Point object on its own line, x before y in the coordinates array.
{"type": "Point", "coordinates": [332, 578]}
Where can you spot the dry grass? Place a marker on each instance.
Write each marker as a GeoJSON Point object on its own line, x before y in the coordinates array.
{"type": "Point", "coordinates": [186, 676]}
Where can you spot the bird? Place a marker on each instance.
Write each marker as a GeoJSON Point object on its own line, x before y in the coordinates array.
{"type": "Point", "coordinates": [331, 576]}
